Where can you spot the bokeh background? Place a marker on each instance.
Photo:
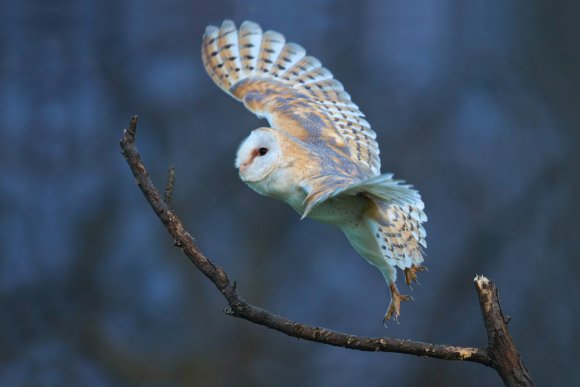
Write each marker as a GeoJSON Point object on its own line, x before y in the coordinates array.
{"type": "Point", "coordinates": [476, 103]}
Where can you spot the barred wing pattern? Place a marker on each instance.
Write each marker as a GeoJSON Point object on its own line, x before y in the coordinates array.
{"type": "Point", "coordinates": [278, 81]}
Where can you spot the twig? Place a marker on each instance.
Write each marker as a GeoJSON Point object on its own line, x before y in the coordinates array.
{"type": "Point", "coordinates": [500, 343]}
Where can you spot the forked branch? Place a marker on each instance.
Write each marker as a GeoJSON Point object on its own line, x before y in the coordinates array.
{"type": "Point", "coordinates": [500, 353]}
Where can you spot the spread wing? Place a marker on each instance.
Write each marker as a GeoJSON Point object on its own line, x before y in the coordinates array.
{"type": "Point", "coordinates": [278, 81]}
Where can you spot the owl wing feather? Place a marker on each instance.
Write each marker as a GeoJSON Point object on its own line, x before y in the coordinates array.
{"type": "Point", "coordinates": [278, 81]}
{"type": "Point", "coordinates": [382, 187]}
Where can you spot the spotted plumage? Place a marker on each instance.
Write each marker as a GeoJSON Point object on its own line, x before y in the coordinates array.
{"type": "Point", "coordinates": [319, 155]}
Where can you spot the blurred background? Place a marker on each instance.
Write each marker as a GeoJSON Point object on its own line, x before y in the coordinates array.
{"type": "Point", "coordinates": [476, 104]}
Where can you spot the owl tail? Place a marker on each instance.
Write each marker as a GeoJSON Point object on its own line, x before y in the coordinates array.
{"type": "Point", "coordinates": [399, 232]}
{"type": "Point", "coordinates": [231, 55]}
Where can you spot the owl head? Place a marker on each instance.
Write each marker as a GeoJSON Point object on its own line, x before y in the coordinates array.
{"type": "Point", "coordinates": [258, 155]}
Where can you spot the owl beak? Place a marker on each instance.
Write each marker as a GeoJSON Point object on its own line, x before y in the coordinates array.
{"type": "Point", "coordinates": [247, 163]}
{"type": "Point", "coordinates": [245, 166]}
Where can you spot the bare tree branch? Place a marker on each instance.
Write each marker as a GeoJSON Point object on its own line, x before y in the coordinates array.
{"type": "Point", "coordinates": [500, 347]}
{"type": "Point", "coordinates": [500, 353]}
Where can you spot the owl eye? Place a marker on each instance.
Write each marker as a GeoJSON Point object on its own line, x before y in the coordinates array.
{"type": "Point", "coordinates": [262, 151]}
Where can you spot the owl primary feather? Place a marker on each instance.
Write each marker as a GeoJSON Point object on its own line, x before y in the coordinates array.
{"type": "Point", "coordinates": [319, 154]}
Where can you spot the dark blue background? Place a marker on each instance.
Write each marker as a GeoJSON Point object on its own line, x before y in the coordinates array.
{"type": "Point", "coordinates": [476, 104]}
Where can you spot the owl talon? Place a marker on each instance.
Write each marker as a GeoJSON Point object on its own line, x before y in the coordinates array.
{"type": "Point", "coordinates": [386, 320]}
{"type": "Point", "coordinates": [411, 274]}
{"type": "Point", "coordinates": [393, 311]}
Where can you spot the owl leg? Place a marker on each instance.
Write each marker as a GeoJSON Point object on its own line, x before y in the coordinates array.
{"type": "Point", "coordinates": [411, 274]}
{"type": "Point", "coordinates": [395, 305]}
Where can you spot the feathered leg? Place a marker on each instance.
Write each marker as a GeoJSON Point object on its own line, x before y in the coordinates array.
{"type": "Point", "coordinates": [394, 310]}
{"type": "Point", "coordinates": [395, 305]}
{"type": "Point", "coordinates": [399, 236]}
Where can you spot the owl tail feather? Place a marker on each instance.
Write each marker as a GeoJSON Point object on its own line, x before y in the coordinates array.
{"type": "Point", "coordinates": [399, 232]}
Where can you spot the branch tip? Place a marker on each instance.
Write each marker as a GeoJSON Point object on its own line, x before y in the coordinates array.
{"type": "Point", "coordinates": [129, 133]}
{"type": "Point", "coordinates": [480, 281]}
{"type": "Point", "coordinates": [133, 122]}
{"type": "Point", "coordinates": [133, 126]}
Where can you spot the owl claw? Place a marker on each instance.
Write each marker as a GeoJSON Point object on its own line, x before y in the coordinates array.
{"type": "Point", "coordinates": [393, 311]}
{"type": "Point", "coordinates": [386, 320]}
{"type": "Point", "coordinates": [411, 274]}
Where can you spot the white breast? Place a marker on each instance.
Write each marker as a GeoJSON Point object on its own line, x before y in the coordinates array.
{"type": "Point", "coordinates": [281, 184]}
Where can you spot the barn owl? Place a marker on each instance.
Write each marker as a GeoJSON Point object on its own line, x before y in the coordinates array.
{"type": "Point", "coordinates": [319, 154]}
